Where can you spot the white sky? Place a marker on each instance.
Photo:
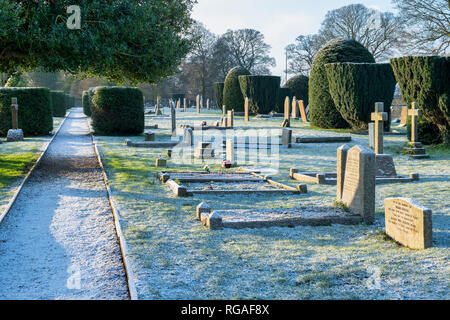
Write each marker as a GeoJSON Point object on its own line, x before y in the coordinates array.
{"type": "Point", "coordinates": [281, 21]}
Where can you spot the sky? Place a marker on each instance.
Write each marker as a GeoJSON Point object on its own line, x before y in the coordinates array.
{"type": "Point", "coordinates": [281, 21]}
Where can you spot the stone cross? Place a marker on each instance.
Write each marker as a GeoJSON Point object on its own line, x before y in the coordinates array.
{"type": "Point", "coordinates": [415, 114]}
{"type": "Point", "coordinates": [294, 108]}
{"type": "Point", "coordinates": [173, 118]}
{"type": "Point", "coordinates": [379, 116]}
{"type": "Point", "coordinates": [246, 110]}
{"type": "Point", "coordinates": [14, 113]}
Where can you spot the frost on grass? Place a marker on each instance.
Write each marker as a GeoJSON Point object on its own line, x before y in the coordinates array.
{"type": "Point", "coordinates": [176, 258]}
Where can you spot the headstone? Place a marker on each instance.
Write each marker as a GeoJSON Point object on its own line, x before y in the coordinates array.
{"type": "Point", "coordinates": [286, 137]}
{"type": "Point", "coordinates": [207, 104]}
{"type": "Point", "coordinates": [307, 112]}
{"type": "Point", "coordinates": [203, 208]}
{"type": "Point", "coordinates": [246, 110]}
{"type": "Point", "coordinates": [408, 223]}
{"type": "Point", "coordinates": [184, 104]}
{"type": "Point", "coordinates": [385, 166]}
{"type": "Point", "coordinates": [285, 123]}
{"type": "Point", "coordinates": [359, 183]}
{"type": "Point", "coordinates": [379, 116]}
{"type": "Point", "coordinates": [341, 162]}
{"type": "Point", "coordinates": [230, 150]}
{"type": "Point", "coordinates": [372, 135]}
{"type": "Point", "coordinates": [179, 104]}
{"type": "Point", "coordinates": [230, 121]}
{"type": "Point", "coordinates": [224, 110]}
{"type": "Point", "coordinates": [161, 163]}
{"type": "Point", "coordinates": [294, 108]}
{"type": "Point", "coordinates": [201, 102]}
{"type": "Point", "coordinates": [404, 116]}
{"type": "Point", "coordinates": [188, 137]}
{"type": "Point", "coordinates": [301, 106]}
{"type": "Point", "coordinates": [198, 103]}
{"type": "Point", "coordinates": [204, 150]}
{"type": "Point", "coordinates": [174, 121]}
{"type": "Point", "coordinates": [149, 136]}
{"type": "Point", "coordinates": [287, 115]}
{"type": "Point", "coordinates": [14, 134]}
{"type": "Point", "coordinates": [415, 148]}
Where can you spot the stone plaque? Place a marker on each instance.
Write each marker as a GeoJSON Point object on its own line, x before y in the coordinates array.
{"type": "Point", "coordinates": [408, 223]}
{"type": "Point", "coordinates": [358, 193]}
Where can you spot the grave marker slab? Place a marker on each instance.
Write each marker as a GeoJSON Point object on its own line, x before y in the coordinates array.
{"type": "Point", "coordinates": [301, 106]}
{"type": "Point", "coordinates": [408, 223]}
{"type": "Point", "coordinates": [246, 110]}
{"type": "Point", "coordinates": [295, 112]}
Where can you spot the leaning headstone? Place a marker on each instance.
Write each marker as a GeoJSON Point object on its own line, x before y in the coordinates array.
{"type": "Point", "coordinates": [408, 223]}
{"type": "Point", "coordinates": [286, 137]}
{"type": "Point", "coordinates": [301, 106]}
{"type": "Point", "coordinates": [379, 116]}
{"type": "Point", "coordinates": [294, 108]}
{"type": "Point", "coordinates": [359, 183]}
{"type": "Point", "coordinates": [415, 149]}
{"type": "Point", "coordinates": [14, 134]}
{"type": "Point", "coordinates": [246, 110]}
{"type": "Point", "coordinates": [285, 123]}
{"type": "Point", "coordinates": [341, 162]}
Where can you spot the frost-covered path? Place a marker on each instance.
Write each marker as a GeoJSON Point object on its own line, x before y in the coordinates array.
{"type": "Point", "coordinates": [59, 241]}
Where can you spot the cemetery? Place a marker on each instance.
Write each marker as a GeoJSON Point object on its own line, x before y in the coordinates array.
{"type": "Point", "coordinates": [154, 179]}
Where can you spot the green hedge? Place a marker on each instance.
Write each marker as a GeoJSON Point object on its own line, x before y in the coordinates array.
{"type": "Point", "coordinates": [59, 103]}
{"type": "Point", "coordinates": [323, 112]}
{"type": "Point", "coordinates": [424, 80]}
{"type": "Point", "coordinates": [35, 110]}
{"type": "Point", "coordinates": [282, 94]}
{"type": "Point", "coordinates": [299, 86]}
{"type": "Point", "coordinates": [232, 94]}
{"type": "Point", "coordinates": [218, 93]}
{"type": "Point", "coordinates": [85, 101]}
{"type": "Point", "coordinates": [177, 96]}
{"type": "Point", "coordinates": [355, 87]}
{"type": "Point", "coordinates": [117, 111]}
{"type": "Point", "coordinates": [262, 92]}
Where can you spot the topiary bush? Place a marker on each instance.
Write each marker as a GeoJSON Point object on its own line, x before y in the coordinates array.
{"type": "Point", "coordinates": [232, 94]}
{"type": "Point", "coordinates": [117, 111]}
{"type": "Point", "coordinates": [299, 86]}
{"type": "Point", "coordinates": [262, 92]}
{"type": "Point", "coordinates": [424, 80]}
{"type": "Point", "coordinates": [355, 87]}
{"type": "Point", "coordinates": [86, 103]}
{"type": "Point", "coordinates": [323, 112]}
{"type": "Point", "coordinates": [59, 103]}
{"type": "Point", "coordinates": [282, 94]}
{"type": "Point", "coordinates": [35, 110]}
{"type": "Point", "coordinates": [218, 93]}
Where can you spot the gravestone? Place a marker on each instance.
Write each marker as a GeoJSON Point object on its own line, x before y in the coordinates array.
{"type": "Point", "coordinates": [287, 115]}
{"type": "Point", "coordinates": [385, 166]}
{"type": "Point", "coordinates": [149, 136]}
{"type": "Point", "coordinates": [294, 108]}
{"type": "Point", "coordinates": [408, 223]}
{"type": "Point", "coordinates": [201, 102]}
{"type": "Point", "coordinates": [341, 162]}
{"type": "Point", "coordinates": [188, 137]}
{"type": "Point", "coordinates": [307, 113]}
{"type": "Point", "coordinates": [415, 149]}
{"type": "Point", "coordinates": [379, 116]}
{"type": "Point", "coordinates": [224, 110]}
{"type": "Point", "coordinates": [230, 120]}
{"type": "Point", "coordinates": [184, 104]}
{"type": "Point", "coordinates": [286, 137]}
{"type": "Point", "coordinates": [404, 116]}
{"type": "Point", "coordinates": [371, 135]}
{"type": "Point", "coordinates": [207, 104]}
{"type": "Point", "coordinates": [173, 121]}
{"type": "Point", "coordinates": [301, 106]}
{"type": "Point", "coordinates": [179, 104]}
{"type": "Point", "coordinates": [204, 150]}
{"type": "Point", "coordinates": [14, 134]}
{"type": "Point", "coordinates": [161, 163]}
{"type": "Point", "coordinates": [198, 103]}
{"type": "Point", "coordinates": [246, 110]}
{"type": "Point", "coordinates": [358, 191]}
{"type": "Point", "coordinates": [203, 208]}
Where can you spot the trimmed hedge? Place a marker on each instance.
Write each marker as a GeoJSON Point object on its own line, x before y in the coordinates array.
{"type": "Point", "coordinates": [299, 86]}
{"type": "Point", "coordinates": [355, 87]}
{"type": "Point", "coordinates": [177, 96]}
{"type": "Point", "coordinates": [117, 111]}
{"type": "Point", "coordinates": [59, 103]}
{"type": "Point", "coordinates": [282, 94]}
{"type": "Point", "coordinates": [218, 93]}
{"type": "Point", "coordinates": [262, 92]}
{"type": "Point", "coordinates": [85, 101]}
{"type": "Point", "coordinates": [424, 80]}
{"type": "Point", "coordinates": [35, 110]}
{"type": "Point", "coordinates": [232, 94]}
{"type": "Point", "coordinates": [323, 112]}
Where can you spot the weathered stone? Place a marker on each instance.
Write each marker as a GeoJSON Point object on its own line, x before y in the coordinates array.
{"type": "Point", "coordinates": [214, 221]}
{"type": "Point", "coordinates": [188, 137]}
{"type": "Point", "coordinates": [385, 166]}
{"type": "Point", "coordinates": [204, 208]}
{"type": "Point", "coordinates": [246, 110]}
{"type": "Point", "coordinates": [286, 137]}
{"type": "Point", "coordinates": [285, 123]}
{"type": "Point", "coordinates": [302, 109]}
{"type": "Point", "coordinates": [14, 135]}
{"type": "Point", "coordinates": [372, 135]}
{"type": "Point", "coordinates": [230, 120]}
{"type": "Point", "coordinates": [173, 116]}
{"type": "Point", "coordinates": [359, 183]}
{"type": "Point", "coordinates": [404, 116]}
{"type": "Point", "coordinates": [161, 163]}
{"type": "Point", "coordinates": [295, 111]}
{"type": "Point", "coordinates": [149, 136]}
{"type": "Point", "coordinates": [230, 150]}
{"type": "Point", "coordinates": [341, 162]}
{"type": "Point", "coordinates": [408, 223]}
{"type": "Point", "coordinates": [287, 115]}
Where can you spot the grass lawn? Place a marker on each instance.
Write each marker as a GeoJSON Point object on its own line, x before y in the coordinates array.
{"type": "Point", "coordinates": [176, 258]}
{"type": "Point", "coordinates": [15, 161]}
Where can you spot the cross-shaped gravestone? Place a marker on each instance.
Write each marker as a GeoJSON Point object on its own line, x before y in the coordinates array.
{"type": "Point", "coordinates": [14, 113]}
{"type": "Point", "coordinates": [414, 113]}
{"type": "Point", "coordinates": [379, 116]}
{"type": "Point", "coordinates": [246, 106]}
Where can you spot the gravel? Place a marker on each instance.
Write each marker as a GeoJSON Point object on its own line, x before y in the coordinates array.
{"type": "Point", "coordinates": [59, 241]}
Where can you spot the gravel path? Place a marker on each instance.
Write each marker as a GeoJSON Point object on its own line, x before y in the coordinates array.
{"type": "Point", "coordinates": [59, 241]}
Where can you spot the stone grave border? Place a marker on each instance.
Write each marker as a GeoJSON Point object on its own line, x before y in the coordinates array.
{"type": "Point", "coordinates": [183, 191]}
{"type": "Point", "coordinates": [322, 139]}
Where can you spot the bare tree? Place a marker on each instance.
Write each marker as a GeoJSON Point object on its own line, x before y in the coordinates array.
{"type": "Point", "coordinates": [248, 50]}
{"type": "Point", "coordinates": [301, 53]}
{"type": "Point", "coordinates": [426, 25]}
{"type": "Point", "coordinates": [378, 31]}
